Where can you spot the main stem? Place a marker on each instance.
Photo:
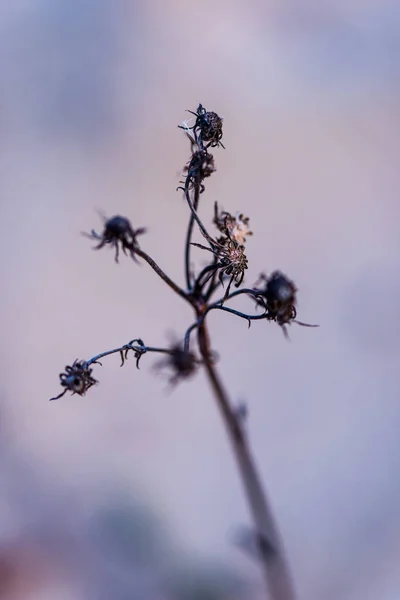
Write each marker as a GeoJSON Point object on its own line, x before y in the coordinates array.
{"type": "Point", "coordinates": [189, 238]}
{"type": "Point", "coordinates": [272, 556]}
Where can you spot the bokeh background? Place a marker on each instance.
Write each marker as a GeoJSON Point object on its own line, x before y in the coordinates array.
{"type": "Point", "coordinates": [132, 492]}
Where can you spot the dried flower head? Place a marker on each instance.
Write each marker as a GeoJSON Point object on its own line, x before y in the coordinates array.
{"type": "Point", "coordinates": [76, 379]}
{"type": "Point", "coordinates": [233, 261]}
{"type": "Point", "coordinates": [118, 232]}
{"type": "Point", "coordinates": [280, 297]}
{"type": "Point", "coordinates": [235, 228]}
{"type": "Point", "coordinates": [200, 166]}
{"type": "Point", "coordinates": [230, 260]}
{"type": "Point", "coordinates": [182, 364]}
{"type": "Point", "coordinates": [208, 127]}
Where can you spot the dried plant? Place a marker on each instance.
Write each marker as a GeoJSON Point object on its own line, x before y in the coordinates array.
{"type": "Point", "coordinates": [274, 294]}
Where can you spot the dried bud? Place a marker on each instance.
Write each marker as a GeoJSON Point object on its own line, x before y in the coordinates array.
{"type": "Point", "coordinates": [118, 231]}
{"type": "Point", "coordinates": [207, 128]}
{"type": "Point", "coordinates": [231, 260]}
{"type": "Point", "coordinates": [182, 363]}
{"type": "Point", "coordinates": [280, 298]}
{"type": "Point", "coordinates": [280, 290]}
{"type": "Point", "coordinates": [235, 228]}
{"type": "Point", "coordinates": [76, 379]}
{"type": "Point", "coordinates": [200, 166]}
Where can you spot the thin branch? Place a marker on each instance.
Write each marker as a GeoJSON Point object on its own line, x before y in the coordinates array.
{"type": "Point", "coordinates": [196, 217]}
{"type": "Point", "coordinates": [254, 293]}
{"type": "Point", "coordinates": [186, 341]}
{"type": "Point", "coordinates": [163, 276]}
{"type": "Point", "coordinates": [209, 270]}
{"type": "Point", "coordinates": [190, 233]}
{"type": "Point", "coordinates": [275, 568]}
{"type": "Point", "coordinates": [140, 348]}
{"type": "Point", "coordinates": [248, 291]}
{"type": "Point", "coordinates": [249, 318]}
{"type": "Point", "coordinates": [212, 286]}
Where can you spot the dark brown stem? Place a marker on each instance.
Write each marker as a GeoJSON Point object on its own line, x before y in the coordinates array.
{"type": "Point", "coordinates": [139, 348]}
{"type": "Point", "coordinates": [161, 274]}
{"type": "Point", "coordinates": [212, 286]}
{"type": "Point", "coordinates": [276, 570]}
{"type": "Point", "coordinates": [195, 216]}
{"type": "Point", "coordinates": [189, 237]}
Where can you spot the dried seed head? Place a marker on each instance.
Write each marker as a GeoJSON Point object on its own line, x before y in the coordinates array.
{"type": "Point", "coordinates": [76, 379]}
{"type": "Point", "coordinates": [200, 166]}
{"type": "Point", "coordinates": [280, 291]}
{"type": "Point", "coordinates": [279, 295]}
{"type": "Point", "coordinates": [235, 228]}
{"type": "Point", "coordinates": [118, 232]}
{"type": "Point", "coordinates": [207, 128]}
{"type": "Point", "coordinates": [234, 261]}
{"type": "Point", "coordinates": [182, 364]}
{"type": "Point", "coordinates": [117, 227]}
{"type": "Point", "coordinates": [231, 260]}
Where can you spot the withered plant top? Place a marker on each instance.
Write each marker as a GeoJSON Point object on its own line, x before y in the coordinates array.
{"type": "Point", "coordinates": [209, 288]}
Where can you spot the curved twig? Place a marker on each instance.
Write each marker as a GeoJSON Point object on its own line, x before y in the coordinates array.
{"type": "Point", "coordinates": [163, 276]}
{"type": "Point", "coordinates": [249, 318]}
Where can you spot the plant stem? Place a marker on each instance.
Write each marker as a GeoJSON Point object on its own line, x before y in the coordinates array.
{"type": "Point", "coordinates": [189, 237]}
{"type": "Point", "coordinates": [275, 568]}
{"type": "Point", "coordinates": [139, 348]}
{"type": "Point", "coordinates": [195, 216]}
{"type": "Point", "coordinates": [242, 315]}
{"type": "Point", "coordinates": [161, 274]}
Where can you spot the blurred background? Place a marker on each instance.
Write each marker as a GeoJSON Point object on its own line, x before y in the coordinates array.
{"type": "Point", "coordinates": [132, 492]}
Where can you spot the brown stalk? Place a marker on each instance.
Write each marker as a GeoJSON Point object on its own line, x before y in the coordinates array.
{"type": "Point", "coordinates": [272, 556]}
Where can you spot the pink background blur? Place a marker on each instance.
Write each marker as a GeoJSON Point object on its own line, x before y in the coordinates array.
{"type": "Point", "coordinates": [91, 93]}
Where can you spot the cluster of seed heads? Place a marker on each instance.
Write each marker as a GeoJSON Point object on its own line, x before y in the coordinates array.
{"type": "Point", "coordinates": [275, 294]}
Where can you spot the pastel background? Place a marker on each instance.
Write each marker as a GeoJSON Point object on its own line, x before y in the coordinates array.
{"type": "Point", "coordinates": [131, 492]}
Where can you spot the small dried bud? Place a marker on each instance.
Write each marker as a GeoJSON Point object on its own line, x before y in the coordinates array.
{"type": "Point", "coordinates": [280, 291]}
{"type": "Point", "coordinates": [231, 260]}
{"type": "Point", "coordinates": [207, 128]}
{"type": "Point", "coordinates": [76, 379]}
{"type": "Point", "coordinates": [118, 231]}
{"type": "Point", "coordinates": [234, 261]}
{"type": "Point", "coordinates": [181, 362]}
{"type": "Point", "coordinates": [279, 295]}
{"type": "Point", "coordinates": [235, 228]}
{"type": "Point", "coordinates": [279, 299]}
{"type": "Point", "coordinates": [200, 166]}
